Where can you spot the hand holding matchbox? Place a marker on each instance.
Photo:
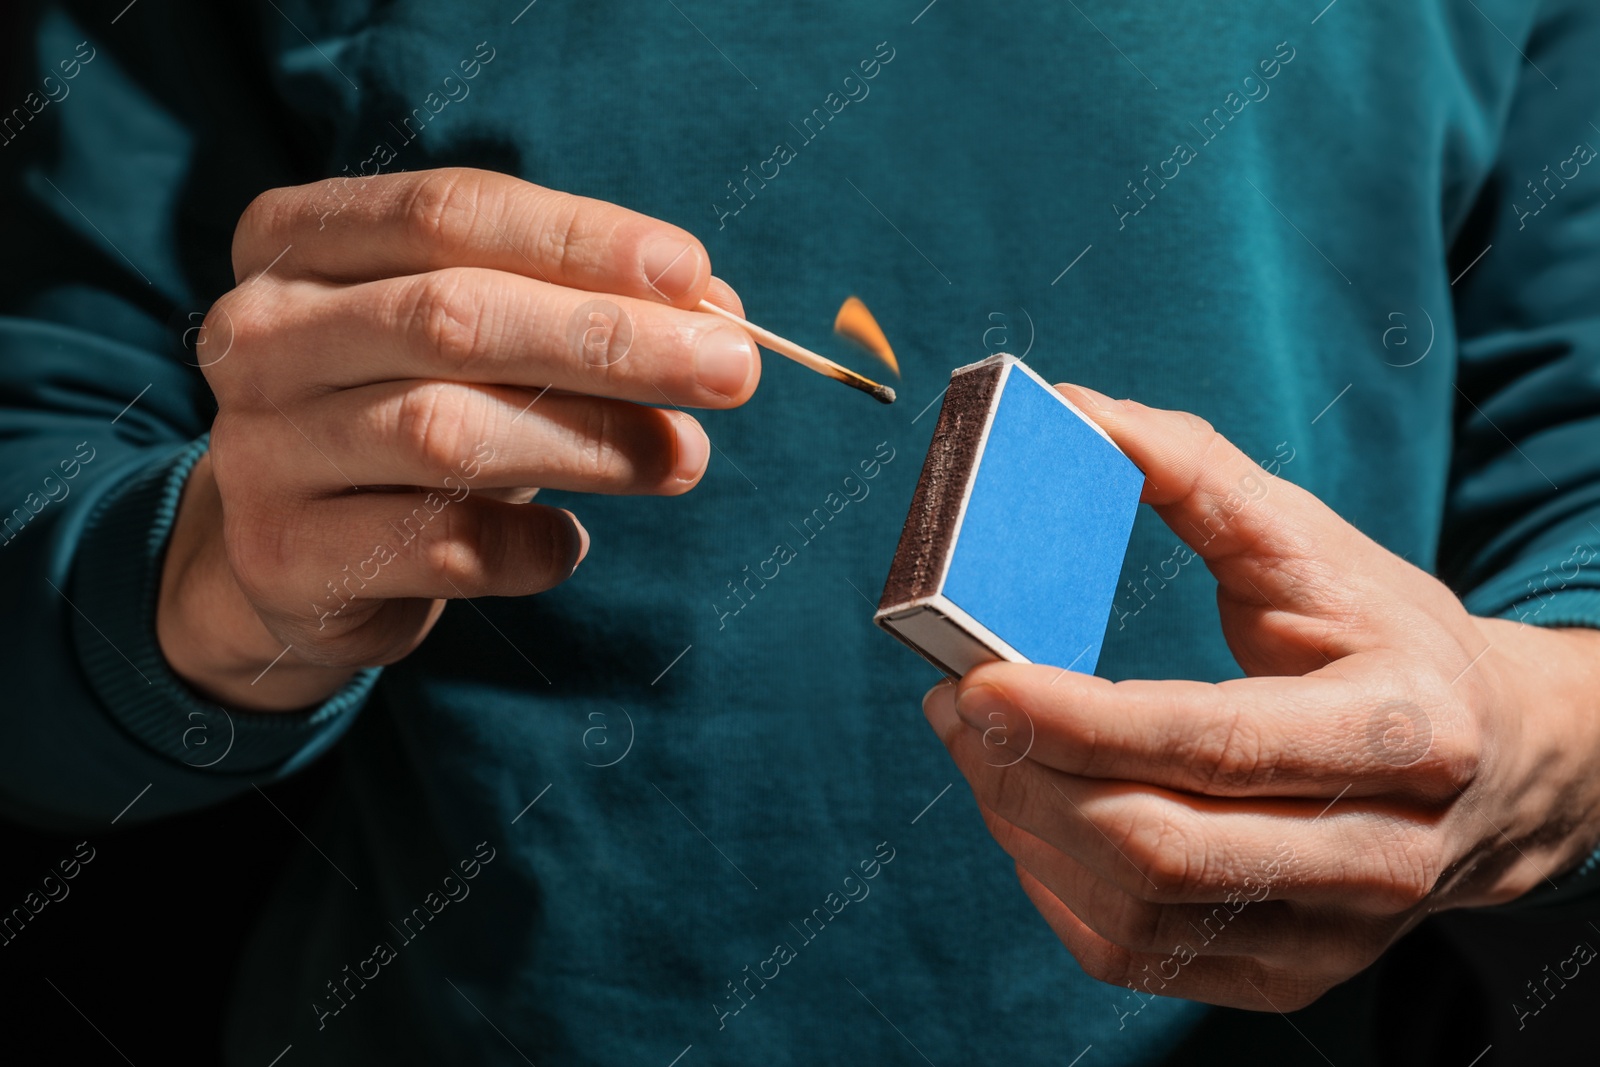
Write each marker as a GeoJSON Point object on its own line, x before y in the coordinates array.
{"type": "Point", "coordinates": [1017, 529]}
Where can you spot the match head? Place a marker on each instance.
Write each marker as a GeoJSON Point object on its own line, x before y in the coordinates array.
{"type": "Point", "coordinates": [883, 394]}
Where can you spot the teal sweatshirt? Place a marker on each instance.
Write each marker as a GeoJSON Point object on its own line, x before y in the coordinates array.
{"type": "Point", "coordinates": [670, 809]}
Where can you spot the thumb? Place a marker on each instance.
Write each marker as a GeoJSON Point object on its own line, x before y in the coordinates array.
{"type": "Point", "coordinates": [721, 294]}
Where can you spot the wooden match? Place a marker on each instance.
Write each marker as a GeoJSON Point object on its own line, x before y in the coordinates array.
{"type": "Point", "coordinates": [804, 356]}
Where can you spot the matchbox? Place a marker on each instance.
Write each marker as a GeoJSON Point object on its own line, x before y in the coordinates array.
{"type": "Point", "coordinates": [1017, 529]}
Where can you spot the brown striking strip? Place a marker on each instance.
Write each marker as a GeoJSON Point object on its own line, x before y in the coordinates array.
{"type": "Point", "coordinates": [930, 528]}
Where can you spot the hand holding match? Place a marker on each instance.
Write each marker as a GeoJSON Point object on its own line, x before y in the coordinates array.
{"type": "Point", "coordinates": [444, 377]}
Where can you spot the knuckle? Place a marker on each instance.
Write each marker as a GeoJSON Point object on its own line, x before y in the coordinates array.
{"type": "Point", "coordinates": [1411, 729]}
{"type": "Point", "coordinates": [442, 208]}
{"type": "Point", "coordinates": [431, 424]}
{"type": "Point", "coordinates": [1203, 430]}
{"type": "Point", "coordinates": [239, 464]}
{"type": "Point", "coordinates": [1090, 749]}
{"type": "Point", "coordinates": [564, 238]}
{"type": "Point", "coordinates": [1172, 873]}
{"type": "Point", "coordinates": [1171, 860]}
{"type": "Point", "coordinates": [598, 453]}
{"type": "Point", "coordinates": [1454, 744]}
{"type": "Point", "coordinates": [238, 320]}
{"type": "Point", "coordinates": [601, 335]}
{"type": "Point", "coordinates": [1210, 452]}
{"type": "Point", "coordinates": [1136, 924]}
{"type": "Point", "coordinates": [225, 429]}
{"type": "Point", "coordinates": [1233, 757]}
{"type": "Point", "coordinates": [254, 585]}
{"type": "Point", "coordinates": [259, 212]}
{"type": "Point", "coordinates": [262, 545]}
{"type": "Point", "coordinates": [227, 310]}
{"type": "Point", "coordinates": [1400, 735]}
{"type": "Point", "coordinates": [1429, 689]}
{"type": "Point", "coordinates": [1105, 962]}
{"type": "Point", "coordinates": [264, 217]}
{"type": "Point", "coordinates": [1291, 992]}
{"type": "Point", "coordinates": [441, 312]}
{"type": "Point", "coordinates": [491, 548]}
{"type": "Point", "coordinates": [227, 324]}
{"type": "Point", "coordinates": [1349, 949]}
{"type": "Point", "coordinates": [1206, 441]}
{"type": "Point", "coordinates": [1010, 791]}
{"type": "Point", "coordinates": [1455, 760]}
{"type": "Point", "coordinates": [453, 554]}
{"type": "Point", "coordinates": [214, 343]}
{"type": "Point", "coordinates": [1410, 871]}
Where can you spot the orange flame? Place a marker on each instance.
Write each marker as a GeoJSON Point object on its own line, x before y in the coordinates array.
{"type": "Point", "coordinates": [855, 323]}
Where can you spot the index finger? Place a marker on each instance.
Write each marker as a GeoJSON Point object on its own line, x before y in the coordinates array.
{"type": "Point", "coordinates": [1210, 493]}
{"type": "Point", "coordinates": [363, 229]}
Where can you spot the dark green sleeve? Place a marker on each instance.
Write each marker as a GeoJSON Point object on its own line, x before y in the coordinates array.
{"type": "Point", "coordinates": [115, 239]}
{"type": "Point", "coordinates": [1522, 535]}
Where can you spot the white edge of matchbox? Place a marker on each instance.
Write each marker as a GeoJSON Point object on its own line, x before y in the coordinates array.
{"type": "Point", "coordinates": [944, 635]}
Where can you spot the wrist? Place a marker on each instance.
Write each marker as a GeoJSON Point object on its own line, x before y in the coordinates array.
{"type": "Point", "coordinates": [1541, 793]}
{"type": "Point", "coordinates": [210, 634]}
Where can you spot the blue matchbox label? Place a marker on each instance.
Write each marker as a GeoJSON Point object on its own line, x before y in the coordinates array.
{"type": "Point", "coordinates": [1040, 545]}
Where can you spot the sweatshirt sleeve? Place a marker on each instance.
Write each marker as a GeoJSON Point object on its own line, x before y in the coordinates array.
{"type": "Point", "coordinates": [103, 413]}
{"type": "Point", "coordinates": [1522, 523]}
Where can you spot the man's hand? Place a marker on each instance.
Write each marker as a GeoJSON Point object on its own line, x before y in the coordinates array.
{"type": "Point", "coordinates": [1255, 842]}
{"type": "Point", "coordinates": [405, 361]}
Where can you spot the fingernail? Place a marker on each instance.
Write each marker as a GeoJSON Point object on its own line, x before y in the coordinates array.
{"type": "Point", "coordinates": [671, 265]}
{"type": "Point", "coordinates": [938, 704]}
{"type": "Point", "coordinates": [722, 362]}
{"type": "Point", "coordinates": [694, 449]}
{"type": "Point", "coordinates": [583, 540]}
{"type": "Point", "coordinates": [975, 703]}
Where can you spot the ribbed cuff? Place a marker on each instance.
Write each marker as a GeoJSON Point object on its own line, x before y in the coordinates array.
{"type": "Point", "coordinates": [1567, 607]}
{"type": "Point", "coordinates": [115, 583]}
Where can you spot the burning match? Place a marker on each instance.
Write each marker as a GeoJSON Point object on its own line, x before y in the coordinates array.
{"type": "Point", "coordinates": [804, 356]}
